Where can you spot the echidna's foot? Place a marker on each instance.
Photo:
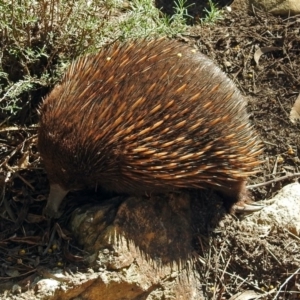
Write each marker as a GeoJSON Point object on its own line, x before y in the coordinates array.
{"type": "Point", "coordinates": [237, 199]}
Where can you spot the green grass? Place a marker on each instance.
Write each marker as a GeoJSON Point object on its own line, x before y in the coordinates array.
{"type": "Point", "coordinates": [39, 38]}
{"type": "Point", "coordinates": [213, 14]}
{"type": "Point", "coordinates": [144, 19]}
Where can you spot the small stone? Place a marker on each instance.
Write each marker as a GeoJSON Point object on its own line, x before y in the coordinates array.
{"type": "Point", "coordinates": [16, 289]}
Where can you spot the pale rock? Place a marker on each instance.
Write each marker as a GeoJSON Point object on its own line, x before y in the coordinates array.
{"type": "Point", "coordinates": [276, 7]}
{"type": "Point", "coordinates": [283, 213]}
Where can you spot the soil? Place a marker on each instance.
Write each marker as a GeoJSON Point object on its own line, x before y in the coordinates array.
{"type": "Point", "coordinates": [261, 54]}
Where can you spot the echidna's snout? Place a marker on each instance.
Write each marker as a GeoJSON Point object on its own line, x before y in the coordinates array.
{"type": "Point", "coordinates": [56, 196]}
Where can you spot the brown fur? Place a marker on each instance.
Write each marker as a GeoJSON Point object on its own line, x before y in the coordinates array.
{"type": "Point", "coordinates": [144, 117]}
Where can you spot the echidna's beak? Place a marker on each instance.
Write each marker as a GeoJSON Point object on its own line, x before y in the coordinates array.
{"type": "Point", "coordinates": [57, 194]}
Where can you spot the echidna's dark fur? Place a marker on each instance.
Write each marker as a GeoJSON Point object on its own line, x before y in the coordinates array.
{"type": "Point", "coordinates": [148, 116]}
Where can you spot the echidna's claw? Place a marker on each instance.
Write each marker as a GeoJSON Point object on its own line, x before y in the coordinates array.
{"type": "Point", "coordinates": [247, 208]}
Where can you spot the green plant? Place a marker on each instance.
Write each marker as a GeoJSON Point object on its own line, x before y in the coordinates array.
{"type": "Point", "coordinates": [213, 14]}
{"type": "Point", "coordinates": [181, 11]}
{"type": "Point", "coordinates": [144, 19]}
{"type": "Point", "coordinates": [38, 38]}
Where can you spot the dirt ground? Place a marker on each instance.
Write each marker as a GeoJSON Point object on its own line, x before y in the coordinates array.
{"type": "Point", "coordinates": [261, 54]}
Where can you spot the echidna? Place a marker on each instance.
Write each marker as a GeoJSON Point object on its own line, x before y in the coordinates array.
{"type": "Point", "coordinates": [146, 117]}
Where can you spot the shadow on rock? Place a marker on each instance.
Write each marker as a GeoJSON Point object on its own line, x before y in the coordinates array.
{"type": "Point", "coordinates": [161, 228]}
{"type": "Point", "coordinates": [144, 247]}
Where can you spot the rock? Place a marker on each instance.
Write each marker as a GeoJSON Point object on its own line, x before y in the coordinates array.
{"type": "Point", "coordinates": [276, 7]}
{"type": "Point", "coordinates": [49, 285]}
{"type": "Point", "coordinates": [283, 213]}
{"type": "Point", "coordinates": [143, 247]}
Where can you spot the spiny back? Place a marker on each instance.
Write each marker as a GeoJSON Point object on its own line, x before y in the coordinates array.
{"type": "Point", "coordinates": [143, 116]}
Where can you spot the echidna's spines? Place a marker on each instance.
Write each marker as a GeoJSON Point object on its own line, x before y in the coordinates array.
{"type": "Point", "coordinates": [150, 114]}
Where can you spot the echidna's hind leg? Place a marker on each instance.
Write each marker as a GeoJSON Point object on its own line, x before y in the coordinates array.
{"type": "Point", "coordinates": [237, 198]}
